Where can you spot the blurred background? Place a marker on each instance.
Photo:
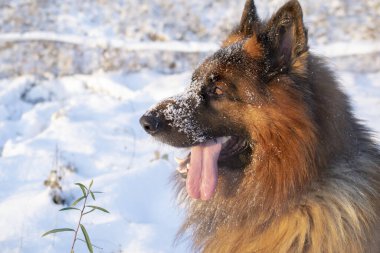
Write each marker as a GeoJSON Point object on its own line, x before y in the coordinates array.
{"type": "Point", "coordinates": [75, 76]}
{"type": "Point", "coordinates": [48, 37]}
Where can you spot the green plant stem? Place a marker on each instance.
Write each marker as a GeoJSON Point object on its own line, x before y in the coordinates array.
{"type": "Point", "coordinates": [80, 219]}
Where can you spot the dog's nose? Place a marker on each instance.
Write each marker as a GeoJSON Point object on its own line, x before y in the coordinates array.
{"type": "Point", "coordinates": [150, 124]}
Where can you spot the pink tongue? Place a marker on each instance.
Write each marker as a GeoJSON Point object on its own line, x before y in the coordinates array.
{"type": "Point", "coordinates": [203, 172]}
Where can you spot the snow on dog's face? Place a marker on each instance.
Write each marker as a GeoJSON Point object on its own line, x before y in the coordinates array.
{"type": "Point", "coordinates": [177, 117]}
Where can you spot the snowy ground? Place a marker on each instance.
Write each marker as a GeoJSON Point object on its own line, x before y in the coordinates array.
{"type": "Point", "coordinates": [93, 123]}
{"type": "Point", "coordinates": [88, 125]}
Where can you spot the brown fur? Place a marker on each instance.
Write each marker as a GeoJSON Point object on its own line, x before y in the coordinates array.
{"type": "Point", "coordinates": [305, 190]}
{"type": "Point", "coordinates": [309, 180]}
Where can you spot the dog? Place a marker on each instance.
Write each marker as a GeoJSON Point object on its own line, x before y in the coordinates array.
{"type": "Point", "coordinates": [278, 162]}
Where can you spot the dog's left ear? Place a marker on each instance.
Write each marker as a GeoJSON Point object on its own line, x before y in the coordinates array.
{"type": "Point", "coordinates": [249, 24]}
{"type": "Point", "coordinates": [287, 35]}
{"type": "Point", "coordinates": [249, 20]}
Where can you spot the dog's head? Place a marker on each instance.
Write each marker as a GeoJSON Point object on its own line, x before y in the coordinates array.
{"type": "Point", "coordinates": [232, 95]}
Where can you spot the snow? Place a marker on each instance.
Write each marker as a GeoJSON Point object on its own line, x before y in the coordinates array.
{"type": "Point", "coordinates": [104, 42]}
{"type": "Point", "coordinates": [179, 111]}
{"type": "Point", "coordinates": [93, 122]}
{"type": "Point", "coordinates": [66, 109]}
{"type": "Point", "coordinates": [336, 49]}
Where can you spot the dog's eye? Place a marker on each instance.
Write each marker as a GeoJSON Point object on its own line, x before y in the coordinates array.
{"type": "Point", "coordinates": [217, 89]}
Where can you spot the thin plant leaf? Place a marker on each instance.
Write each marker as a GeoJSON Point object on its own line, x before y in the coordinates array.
{"type": "Point", "coordinates": [69, 208]}
{"type": "Point", "coordinates": [92, 195]}
{"type": "Point", "coordinates": [87, 238]}
{"type": "Point", "coordinates": [93, 245]}
{"type": "Point", "coordinates": [93, 209]}
{"type": "Point", "coordinates": [99, 208]}
{"type": "Point", "coordinates": [83, 188]}
{"type": "Point", "coordinates": [58, 230]}
{"type": "Point", "coordinates": [81, 185]}
{"type": "Point", "coordinates": [96, 192]}
{"type": "Point", "coordinates": [92, 181]}
{"type": "Point", "coordinates": [77, 201]}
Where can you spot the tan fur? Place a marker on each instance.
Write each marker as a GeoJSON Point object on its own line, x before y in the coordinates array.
{"type": "Point", "coordinates": [253, 48]}
{"type": "Point", "coordinates": [233, 38]}
{"type": "Point", "coordinates": [299, 66]}
{"type": "Point", "coordinates": [323, 222]}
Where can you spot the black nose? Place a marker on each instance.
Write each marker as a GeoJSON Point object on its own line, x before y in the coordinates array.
{"type": "Point", "coordinates": [150, 124]}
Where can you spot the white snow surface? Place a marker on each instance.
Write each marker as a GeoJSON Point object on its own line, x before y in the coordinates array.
{"type": "Point", "coordinates": [92, 121]}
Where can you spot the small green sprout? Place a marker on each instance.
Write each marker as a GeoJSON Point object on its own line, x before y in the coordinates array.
{"type": "Point", "coordinates": [85, 209]}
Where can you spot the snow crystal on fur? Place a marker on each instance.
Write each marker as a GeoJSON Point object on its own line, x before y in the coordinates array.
{"type": "Point", "coordinates": [180, 112]}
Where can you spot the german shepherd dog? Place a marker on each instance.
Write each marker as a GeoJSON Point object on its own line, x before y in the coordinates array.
{"type": "Point", "coordinates": [278, 162]}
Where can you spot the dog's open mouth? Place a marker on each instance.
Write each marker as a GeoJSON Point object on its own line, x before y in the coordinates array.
{"type": "Point", "coordinates": [200, 167]}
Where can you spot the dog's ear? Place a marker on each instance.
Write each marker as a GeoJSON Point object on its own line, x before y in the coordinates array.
{"type": "Point", "coordinates": [287, 36]}
{"type": "Point", "coordinates": [249, 20]}
{"type": "Point", "coordinates": [249, 24]}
